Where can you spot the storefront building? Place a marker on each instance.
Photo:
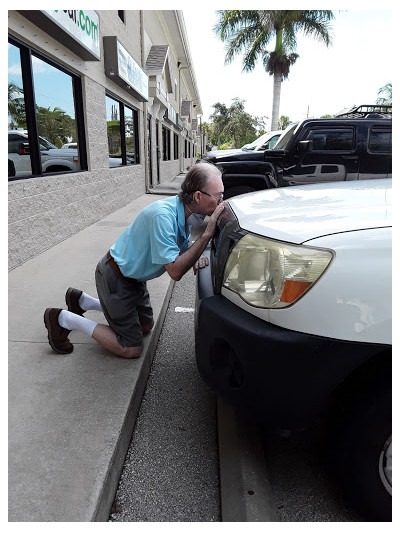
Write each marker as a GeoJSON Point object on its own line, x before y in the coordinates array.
{"type": "Point", "coordinates": [102, 107]}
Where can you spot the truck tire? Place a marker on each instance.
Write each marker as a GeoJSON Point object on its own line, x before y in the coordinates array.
{"type": "Point", "coordinates": [11, 168]}
{"type": "Point", "coordinates": [58, 168]}
{"type": "Point", "coordinates": [235, 191]}
{"type": "Point", "coordinates": [362, 454]}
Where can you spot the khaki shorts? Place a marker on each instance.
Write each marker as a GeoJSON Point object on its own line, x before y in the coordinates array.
{"type": "Point", "coordinates": [125, 303]}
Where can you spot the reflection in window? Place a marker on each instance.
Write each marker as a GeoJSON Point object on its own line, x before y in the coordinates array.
{"type": "Point", "coordinates": [17, 130]}
{"type": "Point", "coordinates": [130, 136]}
{"type": "Point", "coordinates": [114, 132]}
{"type": "Point", "coordinates": [55, 113]}
{"type": "Point", "coordinates": [50, 123]}
{"type": "Point", "coordinates": [122, 133]}
{"type": "Point", "coordinates": [380, 140]}
{"type": "Point", "coordinates": [176, 146]}
{"type": "Point", "coordinates": [332, 139]}
{"type": "Point", "coordinates": [166, 143]}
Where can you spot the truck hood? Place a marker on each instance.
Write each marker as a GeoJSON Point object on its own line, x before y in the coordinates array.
{"type": "Point", "coordinates": [61, 152]}
{"type": "Point", "coordinates": [222, 153]}
{"type": "Point", "coordinates": [298, 214]}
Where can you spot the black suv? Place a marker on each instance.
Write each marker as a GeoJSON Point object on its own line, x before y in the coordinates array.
{"type": "Point", "coordinates": [351, 146]}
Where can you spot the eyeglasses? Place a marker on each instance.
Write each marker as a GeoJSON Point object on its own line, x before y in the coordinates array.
{"type": "Point", "coordinates": [219, 198]}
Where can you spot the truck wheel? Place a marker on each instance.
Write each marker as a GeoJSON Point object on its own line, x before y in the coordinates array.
{"type": "Point", "coordinates": [11, 168]}
{"type": "Point", "coordinates": [235, 191]}
{"type": "Point", "coordinates": [363, 455]}
{"type": "Point", "coordinates": [58, 168]}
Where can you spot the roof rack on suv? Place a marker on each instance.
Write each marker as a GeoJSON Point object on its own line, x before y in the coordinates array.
{"type": "Point", "coordinates": [368, 111]}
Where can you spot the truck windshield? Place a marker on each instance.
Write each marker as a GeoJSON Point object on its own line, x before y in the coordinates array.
{"type": "Point", "coordinates": [45, 144]}
{"type": "Point", "coordinates": [287, 134]}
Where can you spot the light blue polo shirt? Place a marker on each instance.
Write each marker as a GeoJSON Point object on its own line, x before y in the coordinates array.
{"type": "Point", "coordinates": [155, 238]}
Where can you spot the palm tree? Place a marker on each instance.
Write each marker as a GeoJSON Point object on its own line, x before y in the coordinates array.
{"type": "Point", "coordinates": [252, 31]}
{"type": "Point", "coordinates": [386, 92]}
{"type": "Point", "coordinates": [16, 104]}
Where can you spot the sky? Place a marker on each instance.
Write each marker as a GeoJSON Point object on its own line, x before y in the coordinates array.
{"type": "Point", "coordinates": [324, 80]}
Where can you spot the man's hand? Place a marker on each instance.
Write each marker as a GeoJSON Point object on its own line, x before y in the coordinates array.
{"type": "Point", "coordinates": [200, 263]}
{"type": "Point", "coordinates": [188, 259]}
{"type": "Point", "coordinates": [212, 223]}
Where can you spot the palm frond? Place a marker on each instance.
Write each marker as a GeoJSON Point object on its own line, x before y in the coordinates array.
{"type": "Point", "coordinates": [253, 52]}
{"type": "Point", "coordinates": [316, 24]}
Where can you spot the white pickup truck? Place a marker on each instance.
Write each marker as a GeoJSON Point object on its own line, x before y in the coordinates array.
{"type": "Point", "coordinates": [294, 322]}
{"type": "Point", "coordinates": [53, 159]}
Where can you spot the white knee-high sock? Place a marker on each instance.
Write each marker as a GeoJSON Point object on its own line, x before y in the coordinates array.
{"type": "Point", "coordinates": [69, 320]}
{"type": "Point", "coordinates": [88, 303]}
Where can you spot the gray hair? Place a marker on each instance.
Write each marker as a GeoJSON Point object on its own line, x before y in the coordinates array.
{"type": "Point", "coordinates": [196, 179]}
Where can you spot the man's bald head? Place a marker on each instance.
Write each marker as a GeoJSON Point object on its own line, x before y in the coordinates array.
{"type": "Point", "coordinates": [197, 178]}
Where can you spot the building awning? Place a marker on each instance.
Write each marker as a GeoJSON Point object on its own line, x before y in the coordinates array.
{"type": "Point", "coordinates": [185, 108]}
{"type": "Point", "coordinates": [123, 70]}
{"type": "Point", "coordinates": [158, 69]}
{"type": "Point", "coordinates": [77, 30]}
{"type": "Point", "coordinates": [156, 60]}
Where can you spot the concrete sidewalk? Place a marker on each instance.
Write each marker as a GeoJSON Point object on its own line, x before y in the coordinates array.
{"type": "Point", "coordinates": [169, 187]}
{"type": "Point", "coordinates": [71, 416]}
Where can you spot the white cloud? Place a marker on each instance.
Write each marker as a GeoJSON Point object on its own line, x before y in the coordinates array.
{"type": "Point", "coordinates": [39, 66]}
{"type": "Point", "coordinates": [15, 69]}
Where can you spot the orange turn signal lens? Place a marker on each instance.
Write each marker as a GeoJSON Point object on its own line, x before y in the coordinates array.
{"type": "Point", "coordinates": [293, 290]}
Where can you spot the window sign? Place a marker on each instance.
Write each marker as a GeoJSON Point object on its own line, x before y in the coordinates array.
{"type": "Point", "coordinates": [130, 71]}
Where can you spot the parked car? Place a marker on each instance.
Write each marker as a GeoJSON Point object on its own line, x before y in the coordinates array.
{"type": "Point", "coordinates": [53, 159]}
{"type": "Point", "coordinates": [69, 146]}
{"type": "Point", "coordinates": [293, 321]}
{"type": "Point", "coordinates": [352, 146]}
{"type": "Point", "coordinates": [267, 141]}
{"type": "Point", "coordinates": [264, 142]}
{"type": "Point", "coordinates": [64, 159]}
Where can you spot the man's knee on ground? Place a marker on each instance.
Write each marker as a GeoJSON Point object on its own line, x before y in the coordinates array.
{"type": "Point", "coordinates": [146, 328]}
{"type": "Point", "coordinates": [131, 352]}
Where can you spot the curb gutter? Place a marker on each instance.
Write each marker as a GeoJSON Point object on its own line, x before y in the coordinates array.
{"type": "Point", "coordinates": [246, 494]}
{"type": "Point", "coordinates": [106, 498]}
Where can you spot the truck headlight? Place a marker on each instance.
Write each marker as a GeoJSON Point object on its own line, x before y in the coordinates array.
{"type": "Point", "coordinates": [273, 274]}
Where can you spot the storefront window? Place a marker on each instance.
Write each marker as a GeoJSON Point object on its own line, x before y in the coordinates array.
{"type": "Point", "coordinates": [17, 128]}
{"type": "Point", "coordinates": [55, 116]}
{"type": "Point", "coordinates": [122, 133]}
{"type": "Point", "coordinates": [114, 132]}
{"type": "Point", "coordinates": [130, 136]}
{"type": "Point", "coordinates": [42, 121]}
{"type": "Point", "coordinates": [55, 104]}
{"type": "Point", "coordinates": [176, 146]}
{"type": "Point", "coordinates": [166, 143]}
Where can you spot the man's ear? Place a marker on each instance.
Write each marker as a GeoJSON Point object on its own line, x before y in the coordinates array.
{"type": "Point", "coordinates": [196, 196]}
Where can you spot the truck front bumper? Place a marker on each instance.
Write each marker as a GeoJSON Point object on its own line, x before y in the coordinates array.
{"type": "Point", "coordinates": [280, 377]}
